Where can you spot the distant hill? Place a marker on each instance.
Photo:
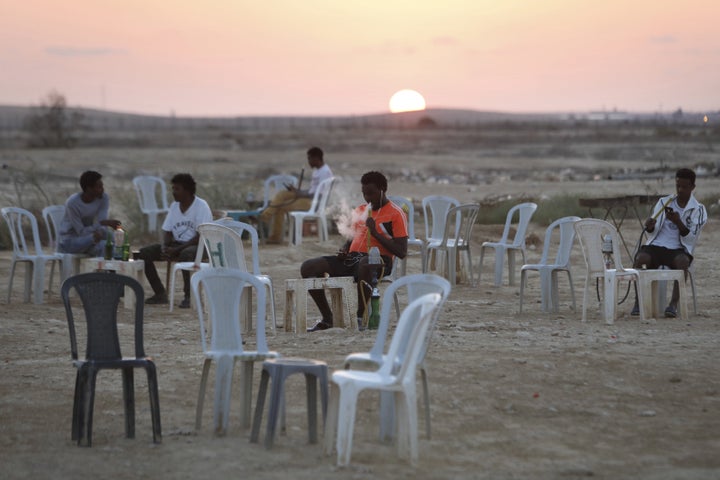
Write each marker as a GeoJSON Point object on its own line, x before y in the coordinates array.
{"type": "Point", "coordinates": [13, 118]}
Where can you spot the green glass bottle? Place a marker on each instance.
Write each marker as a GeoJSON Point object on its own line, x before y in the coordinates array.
{"type": "Point", "coordinates": [126, 248]}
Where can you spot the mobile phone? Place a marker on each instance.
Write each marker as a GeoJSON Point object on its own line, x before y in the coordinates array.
{"type": "Point", "coordinates": [668, 210]}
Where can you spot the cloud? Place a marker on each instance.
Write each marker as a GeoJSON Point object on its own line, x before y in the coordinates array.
{"type": "Point", "coordinates": [444, 41]}
{"type": "Point", "coordinates": [82, 52]}
{"type": "Point", "coordinates": [663, 39]}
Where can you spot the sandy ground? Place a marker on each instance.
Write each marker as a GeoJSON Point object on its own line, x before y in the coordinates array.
{"type": "Point", "coordinates": [531, 395]}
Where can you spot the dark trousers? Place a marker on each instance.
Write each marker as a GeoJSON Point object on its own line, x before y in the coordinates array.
{"type": "Point", "coordinates": [153, 253]}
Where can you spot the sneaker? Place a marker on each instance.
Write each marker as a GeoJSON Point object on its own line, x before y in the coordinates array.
{"type": "Point", "coordinates": [671, 311]}
{"type": "Point", "coordinates": [636, 310]}
{"type": "Point", "coordinates": [157, 299]}
{"type": "Point", "coordinates": [321, 325]}
{"type": "Point", "coordinates": [185, 303]}
{"type": "Point", "coordinates": [361, 327]}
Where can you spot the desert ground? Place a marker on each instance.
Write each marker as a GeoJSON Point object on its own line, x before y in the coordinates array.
{"type": "Point", "coordinates": [513, 395]}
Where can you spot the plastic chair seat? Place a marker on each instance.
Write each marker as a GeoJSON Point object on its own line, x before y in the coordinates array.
{"type": "Point", "coordinates": [222, 298]}
{"type": "Point", "coordinates": [590, 232]}
{"type": "Point", "coordinates": [396, 376]}
{"type": "Point", "coordinates": [525, 212]}
{"type": "Point", "coordinates": [456, 240]}
{"type": "Point", "coordinates": [29, 252]}
{"type": "Point", "coordinates": [549, 292]}
{"type": "Point", "coordinates": [416, 286]}
{"type": "Point", "coordinates": [315, 212]}
{"type": "Point", "coordinates": [100, 296]}
{"type": "Point", "coordinates": [278, 370]}
{"type": "Point", "coordinates": [146, 187]}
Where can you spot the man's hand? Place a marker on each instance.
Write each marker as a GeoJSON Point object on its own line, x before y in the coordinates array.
{"type": "Point", "coordinates": [673, 216]}
{"type": "Point", "coordinates": [370, 224]}
{"type": "Point", "coordinates": [98, 235]}
{"type": "Point", "coordinates": [650, 224]}
{"type": "Point", "coordinates": [112, 223]}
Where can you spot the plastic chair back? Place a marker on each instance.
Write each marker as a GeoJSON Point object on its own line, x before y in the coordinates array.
{"type": "Point", "coordinates": [435, 210]}
{"type": "Point", "coordinates": [590, 233]}
{"type": "Point", "coordinates": [525, 212]}
{"type": "Point", "coordinates": [566, 230]}
{"type": "Point", "coordinates": [320, 198]}
{"type": "Point", "coordinates": [146, 187]}
{"type": "Point", "coordinates": [416, 286]}
{"type": "Point", "coordinates": [406, 204]}
{"type": "Point", "coordinates": [100, 294]}
{"type": "Point", "coordinates": [52, 216]}
{"type": "Point", "coordinates": [222, 289]}
{"type": "Point", "coordinates": [274, 184]}
{"type": "Point", "coordinates": [18, 219]}
{"type": "Point", "coordinates": [224, 246]}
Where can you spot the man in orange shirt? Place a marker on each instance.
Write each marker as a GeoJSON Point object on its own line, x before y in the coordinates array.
{"type": "Point", "coordinates": [380, 223]}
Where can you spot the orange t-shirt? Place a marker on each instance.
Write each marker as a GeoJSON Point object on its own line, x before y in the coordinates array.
{"type": "Point", "coordinates": [390, 221]}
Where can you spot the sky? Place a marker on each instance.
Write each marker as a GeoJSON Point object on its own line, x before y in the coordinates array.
{"type": "Point", "coordinates": [347, 57]}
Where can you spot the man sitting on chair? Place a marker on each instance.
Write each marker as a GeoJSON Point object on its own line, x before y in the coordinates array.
{"type": "Point", "coordinates": [673, 230]}
{"type": "Point", "coordinates": [82, 229]}
{"type": "Point", "coordinates": [180, 241]}
{"type": "Point", "coordinates": [384, 227]}
{"type": "Point", "coordinates": [293, 199]}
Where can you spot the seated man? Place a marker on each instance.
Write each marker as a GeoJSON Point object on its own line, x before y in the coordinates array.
{"type": "Point", "coordinates": [181, 238]}
{"type": "Point", "coordinates": [673, 230]}
{"type": "Point", "coordinates": [82, 229]}
{"type": "Point", "coordinates": [294, 199]}
{"type": "Point", "coordinates": [384, 227]}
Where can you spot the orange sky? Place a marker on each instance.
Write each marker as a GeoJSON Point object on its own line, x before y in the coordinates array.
{"type": "Point", "coordinates": [341, 57]}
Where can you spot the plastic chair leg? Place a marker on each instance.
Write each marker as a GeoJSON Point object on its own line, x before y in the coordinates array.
{"type": "Point", "coordinates": [388, 419]}
{"type": "Point", "coordinates": [201, 394]}
{"type": "Point", "coordinates": [154, 402]}
{"type": "Point", "coordinates": [331, 420]}
{"type": "Point", "coordinates": [259, 406]}
{"type": "Point", "coordinates": [346, 423]}
{"type": "Point", "coordinates": [499, 264]}
{"type": "Point", "coordinates": [426, 401]}
{"type": "Point", "coordinates": [128, 376]}
{"type": "Point", "coordinates": [77, 405]}
{"type": "Point", "coordinates": [223, 386]}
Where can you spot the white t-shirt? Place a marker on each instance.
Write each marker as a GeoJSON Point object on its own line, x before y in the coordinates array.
{"type": "Point", "coordinates": [669, 236]}
{"type": "Point", "coordinates": [183, 225]}
{"type": "Point", "coordinates": [319, 174]}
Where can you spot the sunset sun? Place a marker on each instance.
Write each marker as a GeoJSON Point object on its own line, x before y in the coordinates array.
{"type": "Point", "coordinates": [406, 101]}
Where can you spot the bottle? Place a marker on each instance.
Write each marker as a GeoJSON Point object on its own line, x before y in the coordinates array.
{"type": "Point", "coordinates": [118, 240]}
{"type": "Point", "coordinates": [374, 318]}
{"type": "Point", "coordinates": [109, 246]}
{"type": "Point", "coordinates": [126, 248]}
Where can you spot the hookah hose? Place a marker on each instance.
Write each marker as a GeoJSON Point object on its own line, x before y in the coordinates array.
{"type": "Point", "coordinates": [365, 300]}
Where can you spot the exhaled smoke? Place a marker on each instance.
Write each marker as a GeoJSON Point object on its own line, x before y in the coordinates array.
{"type": "Point", "coordinates": [347, 218]}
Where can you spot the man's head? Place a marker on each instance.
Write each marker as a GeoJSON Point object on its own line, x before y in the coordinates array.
{"type": "Point", "coordinates": [91, 184]}
{"type": "Point", "coordinates": [374, 186]}
{"type": "Point", "coordinates": [684, 184]}
{"type": "Point", "coordinates": [183, 187]}
{"type": "Point", "coordinates": [315, 157]}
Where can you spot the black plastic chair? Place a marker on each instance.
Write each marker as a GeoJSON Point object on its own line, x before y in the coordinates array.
{"type": "Point", "coordinates": [100, 295]}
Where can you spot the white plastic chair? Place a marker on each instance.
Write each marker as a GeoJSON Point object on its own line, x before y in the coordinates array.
{"type": "Point", "coordinates": [146, 188]}
{"type": "Point", "coordinates": [456, 238]}
{"type": "Point", "coordinates": [525, 212]}
{"type": "Point", "coordinates": [70, 265]}
{"type": "Point", "coordinates": [316, 212]}
{"type": "Point", "coordinates": [272, 185]}
{"type": "Point", "coordinates": [549, 269]}
{"type": "Point", "coordinates": [590, 233]}
{"type": "Point", "coordinates": [222, 240]}
{"type": "Point", "coordinates": [396, 375]}
{"type": "Point", "coordinates": [416, 286]}
{"type": "Point", "coordinates": [221, 339]}
{"type": "Point", "coordinates": [435, 210]}
{"type": "Point", "coordinates": [400, 267]}
{"type": "Point", "coordinates": [29, 253]}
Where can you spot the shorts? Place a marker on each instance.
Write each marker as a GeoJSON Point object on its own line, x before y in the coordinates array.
{"type": "Point", "coordinates": [348, 266]}
{"type": "Point", "coordinates": [661, 256]}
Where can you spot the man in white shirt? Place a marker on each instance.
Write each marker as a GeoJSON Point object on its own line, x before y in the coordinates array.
{"type": "Point", "coordinates": [673, 230]}
{"type": "Point", "coordinates": [180, 241]}
{"type": "Point", "coordinates": [294, 199]}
